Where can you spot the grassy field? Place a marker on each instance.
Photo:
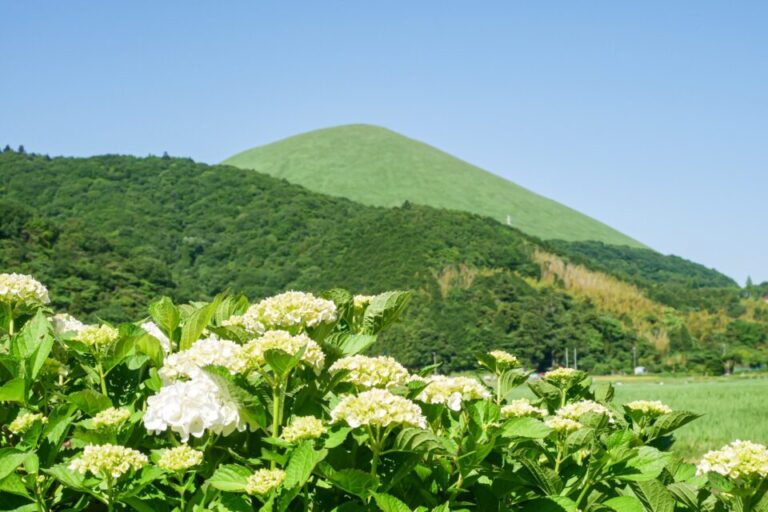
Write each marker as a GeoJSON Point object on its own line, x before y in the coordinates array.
{"type": "Point", "coordinates": [733, 408]}
{"type": "Point", "coordinates": [376, 166]}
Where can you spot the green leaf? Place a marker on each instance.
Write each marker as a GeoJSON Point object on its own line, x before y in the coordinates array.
{"type": "Point", "coordinates": [301, 464]}
{"type": "Point", "coordinates": [89, 401]}
{"type": "Point", "coordinates": [388, 503]}
{"type": "Point", "coordinates": [347, 344]}
{"type": "Point", "coordinates": [249, 408]}
{"type": "Point", "coordinates": [529, 428]}
{"type": "Point", "coordinates": [233, 503]}
{"type": "Point", "coordinates": [625, 504]}
{"type": "Point", "coordinates": [124, 347]}
{"type": "Point", "coordinates": [384, 310]}
{"type": "Point", "coordinates": [353, 481]}
{"type": "Point", "coordinates": [196, 323]}
{"type": "Point", "coordinates": [10, 459]}
{"type": "Point", "coordinates": [549, 504]}
{"type": "Point", "coordinates": [31, 335]}
{"type": "Point", "coordinates": [165, 315]}
{"type": "Point", "coordinates": [13, 484]}
{"type": "Point", "coordinates": [671, 422]}
{"type": "Point", "coordinates": [67, 477]}
{"type": "Point", "coordinates": [646, 465]}
{"type": "Point", "coordinates": [544, 478]}
{"type": "Point", "coordinates": [150, 346]}
{"type": "Point", "coordinates": [654, 496]}
{"type": "Point", "coordinates": [510, 380]}
{"type": "Point", "coordinates": [13, 391]}
{"type": "Point", "coordinates": [229, 478]}
{"type": "Point", "coordinates": [282, 363]}
{"type": "Point", "coordinates": [40, 355]}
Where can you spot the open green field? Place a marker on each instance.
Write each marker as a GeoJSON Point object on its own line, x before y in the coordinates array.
{"type": "Point", "coordinates": [733, 408]}
{"type": "Point", "coordinates": [376, 166]}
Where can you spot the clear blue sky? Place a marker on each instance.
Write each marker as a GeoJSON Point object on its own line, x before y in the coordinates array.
{"type": "Point", "coordinates": [650, 116]}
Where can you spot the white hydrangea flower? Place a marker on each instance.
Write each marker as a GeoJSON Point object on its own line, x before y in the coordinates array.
{"type": "Point", "coordinates": [207, 351]}
{"type": "Point", "coordinates": [254, 350]}
{"type": "Point", "coordinates": [22, 289]}
{"type": "Point", "coordinates": [576, 410]}
{"type": "Point", "coordinates": [451, 391]}
{"type": "Point", "coordinates": [153, 330]}
{"type": "Point", "coordinates": [738, 460]}
{"type": "Point", "coordinates": [108, 460]}
{"type": "Point", "coordinates": [562, 376]}
{"type": "Point", "coordinates": [649, 407]}
{"type": "Point", "coordinates": [262, 481]}
{"type": "Point", "coordinates": [24, 422]}
{"type": "Point", "coordinates": [372, 372]}
{"type": "Point", "coordinates": [288, 311]}
{"type": "Point", "coordinates": [520, 408]}
{"type": "Point", "coordinates": [504, 358]}
{"type": "Point", "coordinates": [190, 408]}
{"type": "Point", "coordinates": [360, 302]}
{"type": "Point", "coordinates": [97, 336]}
{"type": "Point", "coordinates": [378, 407]}
{"type": "Point", "coordinates": [180, 458]}
{"type": "Point", "coordinates": [110, 418]}
{"type": "Point", "coordinates": [64, 323]}
{"type": "Point", "coordinates": [562, 425]}
{"type": "Point", "coordinates": [303, 427]}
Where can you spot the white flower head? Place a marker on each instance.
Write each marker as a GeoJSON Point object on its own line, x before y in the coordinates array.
{"type": "Point", "coordinates": [576, 410]}
{"type": "Point", "coordinates": [97, 336]}
{"type": "Point", "coordinates": [504, 358]}
{"type": "Point", "coordinates": [737, 461]}
{"type": "Point", "coordinates": [360, 302]}
{"type": "Point", "coordinates": [521, 408]}
{"type": "Point", "coordinates": [180, 458]}
{"type": "Point", "coordinates": [649, 407]}
{"type": "Point", "coordinates": [562, 425]}
{"type": "Point", "coordinates": [108, 460]}
{"type": "Point", "coordinates": [207, 351]}
{"type": "Point", "coordinates": [262, 481]}
{"type": "Point", "coordinates": [563, 376]}
{"type": "Point", "coordinates": [22, 289]}
{"type": "Point", "coordinates": [372, 372]}
{"type": "Point", "coordinates": [288, 311]}
{"type": "Point", "coordinates": [378, 407]}
{"type": "Point", "coordinates": [452, 391]}
{"type": "Point", "coordinates": [24, 422]}
{"type": "Point", "coordinates": [254, 350]}
{"type": "Point", "coordinates": [110, 418]}
{"type": "Point", "coordinates": [190, 408]}
{"type": "Point", "coordinates": [64, 323]}
{"type": "Point", "coordinates": [153, 330]}
{"type": "Point", "coordinates": [303, 427]}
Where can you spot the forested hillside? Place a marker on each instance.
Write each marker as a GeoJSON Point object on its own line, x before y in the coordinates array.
{"type": "Point", "coordinates": [108, 234]}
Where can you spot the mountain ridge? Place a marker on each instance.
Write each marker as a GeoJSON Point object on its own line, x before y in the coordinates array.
{"type": "Point", "coordinates": [376, 166]}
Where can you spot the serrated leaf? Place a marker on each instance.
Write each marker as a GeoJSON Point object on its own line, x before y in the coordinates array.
{"type": "Point", "coordinates": [229, 478]}
{"type": "Point", "coordinates": [654, 496]}
{"type": "Point", "coordinates": [549, 504]}
{"type": "Point", "coordinates": [10, 459]}
{"type": "Point", "coordinates": [165, 315]}
{"type": "Point", "coordinates": [196, 323]}
{"type": "Point", "coordinates": [303, 460]}
{"type": "Point", "coordinates": [13, 391]}
{"type": "Point", "coordinates": [525, 427]}
{"type": "Point", "coordinates": [625, 504]}
{"type": "Point", "coordinates": [353, 481]}
{"type": "Point", "coordinates": [383, 310]}
{"type": "Point", "coordinates": [388, 503]}
{"type": "Point", "coordinates": [89, 401]}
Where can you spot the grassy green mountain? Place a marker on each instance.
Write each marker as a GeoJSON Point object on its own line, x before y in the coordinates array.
{"type": "Point", "coordinates": [108, 234]}
{"type": "Point", "coordinates": [379, 167]}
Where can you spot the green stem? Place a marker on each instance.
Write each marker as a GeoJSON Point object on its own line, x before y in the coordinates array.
{"type": "Point", "coordinates": [276, 413]}
{"type": "Point", "coordinates": [102, 377]}
{"type": "Point", "coordinates": [110, 497]}
{"type": "Point", "coordinates": [498, 388]}
{"type": "Point", "coordinates": [585, 490]}
{"type": "Point", "coordinates": [182, 488]}
{"type": "Point", "coordinates": [375, 448]}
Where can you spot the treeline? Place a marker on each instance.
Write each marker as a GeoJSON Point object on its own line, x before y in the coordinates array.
{"type": "Point", "coordinates": [108, 234]}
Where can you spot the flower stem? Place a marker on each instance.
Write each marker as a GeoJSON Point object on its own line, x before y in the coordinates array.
{"type": "Point", "coordinates": [276, 413]}
{"type": "Point", "coordinates": [102, 377]}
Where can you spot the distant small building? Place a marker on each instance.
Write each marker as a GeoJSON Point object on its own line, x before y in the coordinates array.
{"type": "Point", "coordinates": [640, 370]}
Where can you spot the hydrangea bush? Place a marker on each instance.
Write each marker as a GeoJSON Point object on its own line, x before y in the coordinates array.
{"type": "Point", "coordinates": [228, 406]}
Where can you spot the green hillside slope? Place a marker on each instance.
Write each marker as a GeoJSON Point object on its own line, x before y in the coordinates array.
{"type": "Point", "coordinates": [108, 234]}
{"type": "Point", "coordinates": [376, 166]}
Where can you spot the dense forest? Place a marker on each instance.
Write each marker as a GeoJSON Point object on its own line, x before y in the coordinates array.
{"type": "Point", "coordinates": [108, 234]}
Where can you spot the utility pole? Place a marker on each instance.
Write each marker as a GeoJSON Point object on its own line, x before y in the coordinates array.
{"type": "Point", "coordinates": [567, 363]}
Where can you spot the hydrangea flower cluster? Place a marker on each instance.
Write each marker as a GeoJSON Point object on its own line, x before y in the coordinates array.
{"type": "Point", "coordinates": [24, 422]}
{"type": "Point", "coordinates": [288, 311]}
{"type": "Point", "coordinates": [153, 330]}
{"type": "Point", "coordinates": [190, 408]}
{"type": "Point", "coordinates": [520, 408]}
{"type": "Point", "coordinates": [108, 460]}
{"type": "Point", "coordinates": [562, 425]}
{"type": "Point", "coordinates": [562, 376]}
{"type": "Point", "coordinates": [504, 358]}
{"type": "Point", "coordinates": [649, 407]}
{"type": "Point", "coordinates": [360, 302]}
{"type": "Point", "coordinates": [303, 427]}
{"type": "Point", "coordinates": [64, 323]}
{"type": "Point", "coordinates": [576, 410]}
{"type": "Point", "coordinates": [262, 481]}
{"type": "Point", "coordinates": [253, 351]}
{"type": "Point", "coordinates": [97, 336]}
{"type": "Point", "coordinates": [738, 460]}
{"type": "Point", "coordinates": [22, 289]}
{"type": "Point", "coordinates": [110, 418]}
{"type": "Point", "coordinates": [451, 391]}
{"type": "Point", "coordinates": [207, 351]}
{"type": "Point", "coordinates": [378, 407]}
{"type": "Point", "coordinates": [180, 458]}
{"type": "Point", "coordinates": [372, 372]}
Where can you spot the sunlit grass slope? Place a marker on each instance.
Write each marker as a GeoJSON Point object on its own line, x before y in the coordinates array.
{"type": "Point", "coordinates": [376, 166]}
